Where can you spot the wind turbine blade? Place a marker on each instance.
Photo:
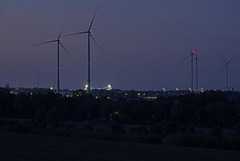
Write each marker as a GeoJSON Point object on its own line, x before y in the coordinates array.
{"type": "Point", "coordinates": [97, 44]}
{"type": "Point", "coordinates": [202, 60]}
{"type": "Point", "coordinates": [60, 33]}
{"type": "Point", "coordinates": [190, 46]}
{"type": "Point", "coordinates": [93, 18]}
{"type": "Point", "coordinates": [66, 51]}
{"type": "Point", "coordinates": [184, 59]}
{"type": "Point", "coordinates": [187, 63]}
{"type": "Point", "coordinates": [78, 33]}
{"type": "Point", "coordinates": [46, 42]}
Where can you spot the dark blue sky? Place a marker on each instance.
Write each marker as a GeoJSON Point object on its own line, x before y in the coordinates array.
{"type": "Point", "coordinates": [144, 41]}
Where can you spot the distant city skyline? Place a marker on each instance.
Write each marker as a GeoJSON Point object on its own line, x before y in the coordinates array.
{"type": "Point", "coordinates": [144, 42]}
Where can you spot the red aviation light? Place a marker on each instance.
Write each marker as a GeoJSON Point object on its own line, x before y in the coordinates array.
{"type": "Point", "coordinates": [89, 31]}
{"type": "Point", "coordinates": [226, 61]}
{"type": "Point", "coordinates": [58, 67]}
{"type": "Point", "coordinates": [192, 52]}
{"type": "Point", "coordinates": [58, 39]}
{"type": "Point", "coordinates": [197, 57]}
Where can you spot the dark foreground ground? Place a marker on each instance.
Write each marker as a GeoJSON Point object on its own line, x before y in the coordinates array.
{"type": "Point", "coordinates": [24, 147]}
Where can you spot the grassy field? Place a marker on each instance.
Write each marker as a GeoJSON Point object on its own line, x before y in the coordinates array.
{"type": "Point", "coordinates": [24, 147]}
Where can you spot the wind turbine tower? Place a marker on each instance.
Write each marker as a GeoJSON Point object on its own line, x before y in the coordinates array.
{"type": "Point", "coordinates": [191, 66]}
{"type": "Point", "coordinates": [226, 74]}
{"type": "Point", "coordinates": [192, 53]}
{"type": "Point", "coordinates": [197, 74]}
{"type": "Point", "coordinates": [58, 64]}
{"type": "Point", "coordinates": [90, 36]}
{"type": "Point", "coordinates": [192, 70]}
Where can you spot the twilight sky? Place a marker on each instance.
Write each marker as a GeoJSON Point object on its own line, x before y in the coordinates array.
{"type": "Point", "coordinates": [144, 41]}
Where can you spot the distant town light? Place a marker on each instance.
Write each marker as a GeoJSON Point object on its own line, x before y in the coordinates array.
{"type": "Point", "coordinates": [151, 97]}
{"type": "Point", "coordinates": [177, 89]}
{"type": "Point", "coordinates": [51, 88]}
{"type": "Point", "coordinates": [86, 87]}
{"type": "Point", "coordinates": [109, 87]}
{"type": "Point", "coordinates": [164, 90]}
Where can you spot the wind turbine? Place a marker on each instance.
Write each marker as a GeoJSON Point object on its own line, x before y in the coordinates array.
{"type": "Point", "coordinates": [197, 74]}
{"type": "Point", "coordinates": [197, 59]}
{"type": "Point", "coordinates": [191, 60]}
{"type": "Point", "coordinates": [89, 33]}
{"type": "Point", "coordinates": [226, 74]}
{"type": "Point", "coordinates": [58, 50]}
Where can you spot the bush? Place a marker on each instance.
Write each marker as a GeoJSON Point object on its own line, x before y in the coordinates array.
{"type": "Point", "coordinates": [151, 140]}
{"type": "Point", "coordinates": [216, 131]}
{"type": "Point", "coordinates": [228, 143]}
{"type": "Point", "coordinates": [88, 127]}
{"type": "Point", "coordinates": [117, 128]}
{"type": "Point", "coordinates": [156, 129]}
{"type": "Point", "coordinates": [23, 128]}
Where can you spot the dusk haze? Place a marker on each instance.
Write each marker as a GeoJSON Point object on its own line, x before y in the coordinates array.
{"type": "Point", "coordinates": [143, 41]}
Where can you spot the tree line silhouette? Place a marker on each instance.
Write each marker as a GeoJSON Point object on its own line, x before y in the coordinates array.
{"type": "Point", "coordinates": [155, 119]}
{"type": "Point", "coordinates": [208, 109]}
